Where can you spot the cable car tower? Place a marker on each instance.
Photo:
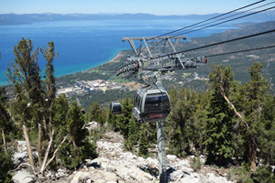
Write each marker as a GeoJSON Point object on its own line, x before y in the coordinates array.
{"type": "Point", "coordinates": [154, 57]}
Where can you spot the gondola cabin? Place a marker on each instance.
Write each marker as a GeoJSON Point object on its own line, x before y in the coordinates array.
{"type": "Point", "coordinates": [151, 104]}
{"type": "Point", "coordinates": [116, 108]}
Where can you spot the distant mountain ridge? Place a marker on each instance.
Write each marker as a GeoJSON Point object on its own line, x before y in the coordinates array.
{"type": "Point", "coordinates": [14, 19]}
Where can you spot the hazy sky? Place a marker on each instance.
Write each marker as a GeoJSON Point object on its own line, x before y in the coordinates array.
{"type": "Point", "coordinates": [158, 7]}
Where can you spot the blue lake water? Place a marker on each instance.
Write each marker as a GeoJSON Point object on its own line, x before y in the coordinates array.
{"type": "Point", "coordinates": [85, 44]}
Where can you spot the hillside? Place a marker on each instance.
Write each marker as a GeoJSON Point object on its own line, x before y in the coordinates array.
{"type": "Point", "coordinates": [240, 62]}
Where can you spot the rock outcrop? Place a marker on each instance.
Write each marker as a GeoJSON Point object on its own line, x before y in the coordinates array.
{"type": "Point", "coordinates": [115, 164]}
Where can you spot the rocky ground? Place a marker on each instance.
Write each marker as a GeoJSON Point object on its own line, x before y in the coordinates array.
{"type": "Point", "coordinates": [114, 165]}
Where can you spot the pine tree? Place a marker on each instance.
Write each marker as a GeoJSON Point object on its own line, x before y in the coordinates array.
{"type": "Point", "coordinates": [143, 143]}
{"type": "Point", "coordinates": [26, 71]}
{"type": "Point", "coordinates": [80, 147]}
{"type": "Point", "coordinates": [122, 122]}
{"type": "Point", "coordinates": [255, 92]}
{"type": "Point", "coordinates": [49, 54]}
{"type": "Point", "coordinates": [133, 134]}
{"type": "Point", "coordinates": [200, 120]}
{"type": "Point", "coordinates": [180, 122]}
{"type": "Point", "coordinates": [219, 123]}
{"type": "Point", "coordinates": [26, 79]}
{"type": "Point", "coordinates": [267, 132]}
{"type": "Point", "coordinates": [60, 106]}
{"type": "Point", "coordinates": [111, 120]}
{"type": "Point", "coordinates": [95, 113]}
{"type": "Point", "coordinates": [219, 130]}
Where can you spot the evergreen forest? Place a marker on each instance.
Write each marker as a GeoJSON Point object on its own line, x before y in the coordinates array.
{"type": "Point", "coordinates": [232, 123]}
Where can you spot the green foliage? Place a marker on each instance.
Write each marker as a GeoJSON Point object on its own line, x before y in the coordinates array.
{"type": "Point", "coordinates": [180, 122]}
{"type": "Point", "coordinates": [254, 94]}
{"type": "Point", "coordinates": [26, 70]}
{"type": "Point", "coordinates": [267, 130]}
{"type": "Point", "coordinates": [122, 122]}
{"type": "Point", "coordinates": [95, 113]}
{"type": "Point", "coordinates": [244, 174]}
{"type": "Point", "coordinates": [74, 153]}
{"type": "Point", "coordinates": [111, 120]}
{"type": "Point", "coordinates": [75, 122]}
{"type": "Point", "coordinates": [4, 116]}
{"type": "Point", "coordinates": [200, 121]}
{"type": "Point", "coordinates": [263, 175]}
{"type": "Point", "coordinates": [143, 143]}
{"type": "Point", "coordinates": [6, 165]}
{"type": "Point", "coordinates": [219, 130]}
{"type": "Point", "coordinates": [35, 103]}
{"type": "Point", "coordinates": [71, 159]}
{"type": "Point", "coordinates": [49, 55]}
{"type": "Point", "coordinates": [133, 136]}
{"type": "Point", "coordinates": [60, 107]}
{"type": "Point", "coordinates": [196, 163]}
{"type": "Point", "coordinates": [103, 98]}
{"type": "Point", "coordinates": [25, 77]}
{"type": "Point", "coordinates": [219, 123]}
{"type": "Point", "coordinates": [6, 123]}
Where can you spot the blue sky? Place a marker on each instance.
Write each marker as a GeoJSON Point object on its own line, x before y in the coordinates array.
{"type": "Point", "coordinates": [158, 7]}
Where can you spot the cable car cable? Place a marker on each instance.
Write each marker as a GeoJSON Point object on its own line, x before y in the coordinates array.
{"type": "Point", "coordinates": [223, 18]}
{"type": "Point", "coordinates": [225, 21]}
{"type": "Point", "coordinates": [218, 43]}
{"type": "Point", "coordinates": [240, 51]}
{"type": "Point", "coordinates": [211, 18]}
{"type": "Point", "coordinates": [206, 24]}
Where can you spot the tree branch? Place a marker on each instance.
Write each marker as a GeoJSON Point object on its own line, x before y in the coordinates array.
{"type": "Point", "coordinates": [26, 164]}
{"type": "Point", "coordinates": [39, 146]}
{"type": "Point", "coordinates": [235, 111]}
{"type": "Point", "coordinates": [4, 141]}
{"type": "Point", "coordinates": [54, 154]}
{"type": "Point", "coordinates": [47, 153]}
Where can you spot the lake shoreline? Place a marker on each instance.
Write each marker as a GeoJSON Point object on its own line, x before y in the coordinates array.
{"type": "Point", "coordinates": [84, 44]}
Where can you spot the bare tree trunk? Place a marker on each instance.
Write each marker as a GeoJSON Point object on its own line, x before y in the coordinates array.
{"type": "Point", "coordinates": [47, 153]}
{"type": "Point", "coordinates": [4, 141]}
{"type": "Point", "coordinates": [75, 146]}
{"type": "Point", "coordinates": [252, 153]}
{"type": "Point", "coordinates": [25, 131]}
{"type": "Point", "coordinates": [45, 126]}
{"type": "Point", "coordinates": [39, 146]}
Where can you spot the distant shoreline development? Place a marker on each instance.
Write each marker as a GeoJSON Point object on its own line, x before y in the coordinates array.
{"type": "Point", "coordinates": [81, 87]}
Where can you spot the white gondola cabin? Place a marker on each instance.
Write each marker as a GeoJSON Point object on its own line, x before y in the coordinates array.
{"type": "Point", "coordinates": [151, 104]}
